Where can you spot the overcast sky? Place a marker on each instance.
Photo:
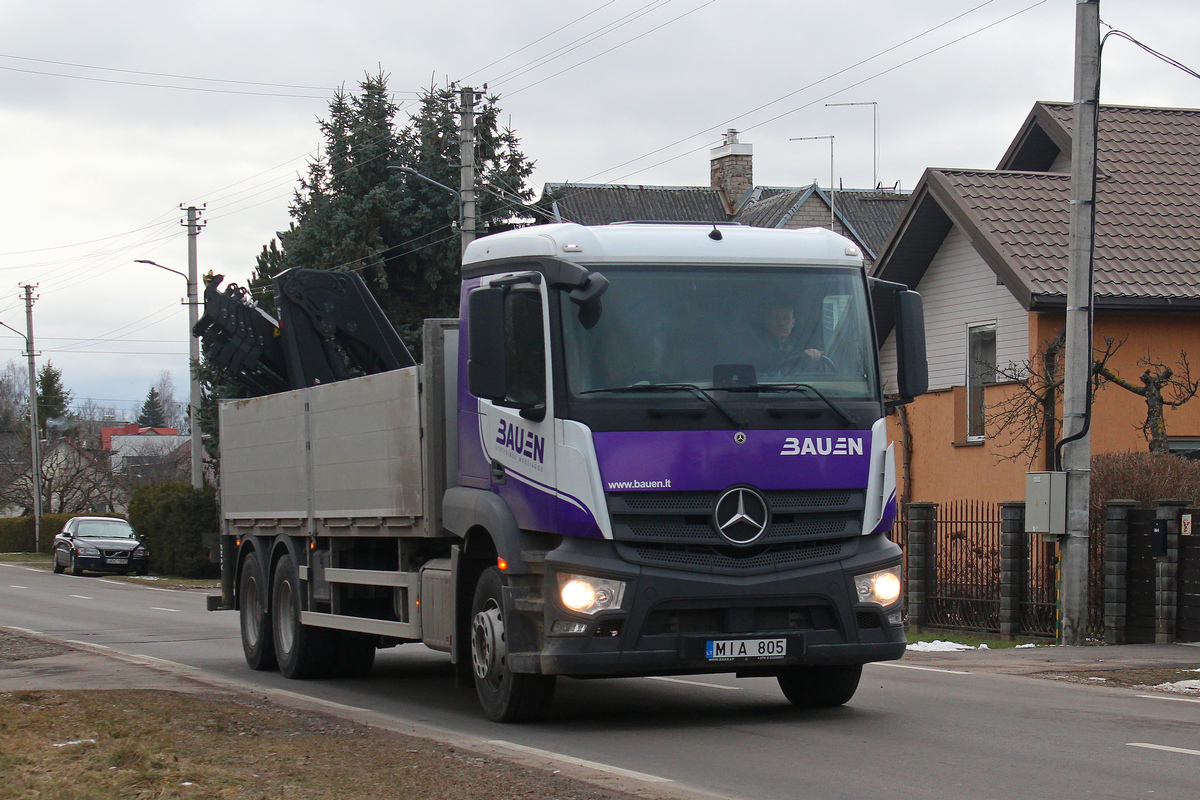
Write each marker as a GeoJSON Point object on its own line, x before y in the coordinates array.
{"type": "Point", "coordinates": [114, 114]}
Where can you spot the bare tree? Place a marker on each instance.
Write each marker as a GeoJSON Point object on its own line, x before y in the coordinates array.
{"type": "Point", "coordinates": [1161, 387]}
{"type": "Point", "coordinates": [174, 410]}
{"type": "Point", "coordinates": [1026, 422]}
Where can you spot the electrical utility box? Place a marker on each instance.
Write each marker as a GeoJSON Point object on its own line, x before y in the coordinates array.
{"type": "Point", "coordinates": [1046, 503]}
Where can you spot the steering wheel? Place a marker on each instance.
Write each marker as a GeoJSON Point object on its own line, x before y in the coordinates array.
{"type": "Point", "coordinates": [802, 362]}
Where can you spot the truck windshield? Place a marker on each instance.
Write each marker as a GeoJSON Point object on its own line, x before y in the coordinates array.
{"type": "Point", "coordinates": [725, 330]}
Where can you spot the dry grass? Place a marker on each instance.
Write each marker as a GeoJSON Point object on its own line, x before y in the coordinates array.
{"type": "Point", "coordinates": [105, 745]}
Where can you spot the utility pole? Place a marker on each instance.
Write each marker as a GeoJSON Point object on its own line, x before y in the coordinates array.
{"type": "Point", "coordinates": [1076, 444]}
{"type": "Point", "coordinates": [466, 169]}
{"type": "Point", "coordinates": [193, 225]}
{"type": "Point", "coordinates": [35, 447]}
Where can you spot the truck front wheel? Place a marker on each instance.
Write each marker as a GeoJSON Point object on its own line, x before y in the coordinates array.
{"type": "Point", "coordinates": [820, 686]}
{"type": "Point", "coordinates": [255, 616]}
{"type": "Point", "coordinates": [504, 695]}
{"type": "Point", "coordinates": [303, 651]}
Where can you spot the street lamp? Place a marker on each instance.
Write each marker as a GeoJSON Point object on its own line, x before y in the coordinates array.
{"type": "Point", "coordinates": [194, 358]}
{"type": "Point", "coordinates": [35, 459]}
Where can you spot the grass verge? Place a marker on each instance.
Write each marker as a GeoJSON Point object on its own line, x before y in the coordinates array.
{"type": "Point", "coordinates": [110, 745]}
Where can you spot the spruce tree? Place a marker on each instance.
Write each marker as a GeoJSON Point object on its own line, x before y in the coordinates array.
{"type": "Point", "coordinates": [152, 414]}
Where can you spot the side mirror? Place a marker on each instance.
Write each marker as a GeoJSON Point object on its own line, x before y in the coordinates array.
{"type": "Point", "coordinates": [912, 366]}
{"type": "Point", "coordinates": [486, 369]}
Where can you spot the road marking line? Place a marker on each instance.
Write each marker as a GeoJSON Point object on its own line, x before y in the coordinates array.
{"type": "Point", "coordinates": [1163, 747]}
{"type": "Point", "coordinates": [14, 586]}
{"type": "Point", "coordinates": [34, 569]}
{"type": "Point", "coordinates": [695, 683]}
{"type": "Point", "coordinates": [1162, 697]}
{"type": "Point", "coordinates": [922, 669]}
{"type": "Point", "coordinates": [176, 610]}
{"type": "Point", "coordinates": [580, 762]}
{"type": "Point", "coordinates": [82, 597]}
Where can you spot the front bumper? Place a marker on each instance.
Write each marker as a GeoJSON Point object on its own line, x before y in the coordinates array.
{"type": "Point", "coordinates": [668, 616]}
{"type": "Point", "coordinates": [103, 564]}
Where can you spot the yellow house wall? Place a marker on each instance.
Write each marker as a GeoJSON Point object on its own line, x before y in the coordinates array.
{"type": "Point", "coordinates": [943, 470]}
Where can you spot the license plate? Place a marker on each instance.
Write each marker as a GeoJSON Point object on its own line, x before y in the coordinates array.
{"type": "Point", "coordinates": [743, 649]}
{"type": "Point", "coordinates": [116, 561]}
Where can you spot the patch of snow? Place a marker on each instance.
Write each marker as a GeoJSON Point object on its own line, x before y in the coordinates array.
{"type": "Point", "coordinates": [1102, 680]}
{"type": "Point", "coordinates": [1025, 646]}
{"type": "Point", "coordinates": [938, 646]}
{"type": "Point", "coordinates": [1186, 687]}
{"type": "Point", "coordinates": [146, 577]}
{"type": "Point", "coordinates": [76, 741]}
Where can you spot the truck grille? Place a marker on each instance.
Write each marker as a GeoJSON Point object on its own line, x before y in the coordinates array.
{"type": "Point", "coordinates": [700, 558]}
{"type": "Point", "coordinates": [675, 529]}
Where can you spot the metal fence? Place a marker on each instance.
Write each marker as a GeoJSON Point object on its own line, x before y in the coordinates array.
{"type": "Point", "coordinates": [964, 579]}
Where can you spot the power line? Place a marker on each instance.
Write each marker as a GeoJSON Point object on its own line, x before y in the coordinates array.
{"type": "Point", "coordinates": [163, 74]}
{"type": "Point", "coordinates": [539, 39]}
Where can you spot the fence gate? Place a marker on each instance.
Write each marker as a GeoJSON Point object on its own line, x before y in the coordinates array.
{"type": "Point", "coordinates": [1187, 620]}
{"type": "Point", "coordinates": [964, 566]}
{"type": "Point", "coordinates": [1140, 577]}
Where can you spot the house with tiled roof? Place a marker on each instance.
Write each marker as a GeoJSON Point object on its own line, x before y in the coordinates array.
{"type": "Point", "coordinates": [988, 251]}
{"type": "Point", "coordinates": [864, 216]}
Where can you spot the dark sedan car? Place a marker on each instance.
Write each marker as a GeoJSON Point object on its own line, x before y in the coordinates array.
{"type": "Point", "coordinates": [99, 544]}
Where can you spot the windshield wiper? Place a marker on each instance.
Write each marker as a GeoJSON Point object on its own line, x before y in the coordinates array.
{"type": "Point", "coordinates": [639, 388]}
{"type": "Point", "coordinates": [792, 387]}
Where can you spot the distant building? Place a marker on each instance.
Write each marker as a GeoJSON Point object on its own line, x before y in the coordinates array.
{"type": "Point", "coordinates": [864, 216]}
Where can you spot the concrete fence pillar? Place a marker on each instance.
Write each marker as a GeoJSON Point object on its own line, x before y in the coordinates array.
{"type": "Point", "coordinates": [1014, 566]}
{"type": "Point", "coordinates": [1166, 572]}
{"type": "Point", "coordinates": [1116, 559]}
{"type": "Point", "coordinates": [922, 517]}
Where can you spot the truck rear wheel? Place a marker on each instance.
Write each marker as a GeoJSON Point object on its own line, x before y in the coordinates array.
{"type": "Point", "coordinates": [303, 651]}
{"type": "Point", "coordinates": [255, 616]}
{"type": "Point", "coordinates": [820, 686]}
{"type": "Point", "coordinates": [504, 695]}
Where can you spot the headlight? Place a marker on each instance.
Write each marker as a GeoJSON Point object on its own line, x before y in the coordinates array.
{"type": "Point", "coordinates": [585, 595]}
{"type": "Point", "coordinates": [882, 587]}
{"type": "Point", "coordinates": [85, 550]}
{"type": "Point", "coordinates": [141, 550]}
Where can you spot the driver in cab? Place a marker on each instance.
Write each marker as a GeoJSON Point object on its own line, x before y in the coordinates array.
{"type": "Point", "coordinates": [785, 350]}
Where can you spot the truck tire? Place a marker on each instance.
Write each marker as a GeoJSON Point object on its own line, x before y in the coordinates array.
{"type": "Point", "coordinates": [820, 686]}
{"type": "Point", "coordinates": [355, 654]}
{"type": "Point", "coordinates": [254, 613]}
{"type": "Point", "coordinates": [302, 651]}
{"type": "Point", "coordinates": [504, 695]}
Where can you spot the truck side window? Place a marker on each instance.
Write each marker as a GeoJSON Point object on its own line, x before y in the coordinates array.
{"type": "Point", "coordinates": [525, 348]}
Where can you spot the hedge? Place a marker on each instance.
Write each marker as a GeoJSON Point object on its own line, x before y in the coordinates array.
{"type": "Point", "coordinates": [16, 533]}
{"type": "Point", "coordinates": [172, 519]}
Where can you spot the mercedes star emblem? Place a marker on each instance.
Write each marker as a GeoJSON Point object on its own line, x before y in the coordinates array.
{"type": "Point", "coordinates": [739, 438]}
{"type": "Point", "coordinates": [741, 515]}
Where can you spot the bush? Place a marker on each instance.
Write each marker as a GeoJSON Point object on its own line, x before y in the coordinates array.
{"type": "Point", "coordinates": [172, 519]}
{"type": "Point", "coordinates": [1142, 476]}
{"type": "Point", "coordinates": [16, 533]}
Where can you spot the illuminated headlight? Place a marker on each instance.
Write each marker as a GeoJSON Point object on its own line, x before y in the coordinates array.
{"type": "Point", "coordinates": [881, 587]}
{"type": "Point", "coordinates": [85, 550]}
{"type": "Point", "coordinates": [585, 595]}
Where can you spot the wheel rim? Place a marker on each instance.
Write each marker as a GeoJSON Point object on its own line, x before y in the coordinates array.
{"type": "Point", "coordinates": [285, 605]}
{"type": "Point", "coordinates": [252, 611]}
{"type": "Point", "coordinates": [488, 650]}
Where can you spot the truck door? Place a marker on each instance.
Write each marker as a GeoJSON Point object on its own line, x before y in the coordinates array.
{"type": "Point", "coordinates": [517, 430]}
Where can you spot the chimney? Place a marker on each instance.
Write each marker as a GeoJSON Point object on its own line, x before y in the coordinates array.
{"type": "Point", "coordinates": [731, 170]}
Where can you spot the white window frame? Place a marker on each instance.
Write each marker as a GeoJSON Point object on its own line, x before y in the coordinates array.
{"type": "Point", "coordinates": [975, 388]}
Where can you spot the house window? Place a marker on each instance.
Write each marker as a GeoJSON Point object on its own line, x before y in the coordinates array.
{"type": "Point", "coordinates": [1185, 446]}
{"type": "Point", "coordinates": [981, 371]}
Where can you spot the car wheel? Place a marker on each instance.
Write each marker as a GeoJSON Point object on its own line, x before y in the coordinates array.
{"type": "Point", "coordinates": [820, 686]}
{"type": "Point", "coordinates": [254, 613]}
{"type": "Point", "coordinates": [75, 568]}
{"type": "Point", "coordinates": [58, 567]}
{"type": "Point", "coordinates": [504, 695]}
{"type": "Point", "coordinates": [303, 651]}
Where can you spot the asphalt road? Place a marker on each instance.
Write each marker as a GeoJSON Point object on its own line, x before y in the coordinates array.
{"type": "Point", "coordinates": [913, 731]}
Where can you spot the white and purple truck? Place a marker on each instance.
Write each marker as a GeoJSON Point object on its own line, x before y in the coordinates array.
{"type": "Point", "coordinates": [643, 449]}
